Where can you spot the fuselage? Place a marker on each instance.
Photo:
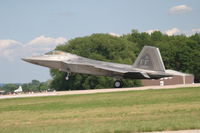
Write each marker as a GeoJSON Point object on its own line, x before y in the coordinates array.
{"type": "Point", "coordinates": [71, 63]}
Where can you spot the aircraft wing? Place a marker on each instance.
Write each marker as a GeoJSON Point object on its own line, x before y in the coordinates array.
{"type": "Point", "coordinates": [125, 72]}
{"type": "Point", "coordinates": [116, 70]}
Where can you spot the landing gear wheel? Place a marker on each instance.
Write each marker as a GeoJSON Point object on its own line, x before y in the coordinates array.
{"type": "Point", "coordinates": [66, 78]}
{"type": "Point", "coordinates": [118, 84]}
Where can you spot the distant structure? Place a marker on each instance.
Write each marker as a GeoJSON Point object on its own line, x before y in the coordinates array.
{"type": "Point", "coordinates": [19, 90]}
{"type": "Point", "coordinates": [2, 92]}
{"type": "Point", "coordinates": [178, 78]}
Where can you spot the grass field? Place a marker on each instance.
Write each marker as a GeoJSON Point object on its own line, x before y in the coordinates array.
{"type": "Point", "coordinates": [119, 112]}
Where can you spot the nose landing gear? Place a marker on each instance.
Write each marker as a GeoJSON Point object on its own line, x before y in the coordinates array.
{"type": "Point", "coordinates": [67, 77]}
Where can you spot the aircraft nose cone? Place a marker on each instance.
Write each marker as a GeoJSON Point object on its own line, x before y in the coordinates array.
{"type": "Point", "coordinates": [31, 60]}
{"type": "Point", "coordinates": [26, 59]}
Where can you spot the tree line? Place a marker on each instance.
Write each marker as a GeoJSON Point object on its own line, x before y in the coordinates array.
{"type": "Point", "coordinates": [179, 52]}
{"type": "Point", "coordinates": [33, 86]}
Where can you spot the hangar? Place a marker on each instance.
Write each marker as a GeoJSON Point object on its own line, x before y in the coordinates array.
{"type": "Point", "coordinates": [178, 78]}
{"type": "Point", "coordinates": [2, 92]}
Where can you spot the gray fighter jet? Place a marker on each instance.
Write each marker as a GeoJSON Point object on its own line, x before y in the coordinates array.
{"type": "Point", "coordinates": [148, 65]}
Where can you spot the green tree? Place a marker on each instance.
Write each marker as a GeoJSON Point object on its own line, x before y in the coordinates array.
{"type": "Point", "coordinates": [102, 47]}
{"type": "Point", "coordinates": [179, 52]}
{"type": "Point", "coordinates": [10, 87]}
{"type": "Point", "coordinates": [43, 86]}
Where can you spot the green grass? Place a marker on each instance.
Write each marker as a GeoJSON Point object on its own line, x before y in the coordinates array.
{"type": "Point", "coordinates": [119, 112]}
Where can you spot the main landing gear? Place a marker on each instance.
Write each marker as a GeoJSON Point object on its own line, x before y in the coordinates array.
{"type": "Point", "coordinates": [118, 84]}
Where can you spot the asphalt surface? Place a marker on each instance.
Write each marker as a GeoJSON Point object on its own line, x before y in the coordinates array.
{"type": "Point", "coordinates": [181, 131]}
{"type": "Point", "coordinates": [97, 91]}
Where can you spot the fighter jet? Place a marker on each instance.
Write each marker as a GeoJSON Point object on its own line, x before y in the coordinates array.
{"type": "Point", "coordinates": [148, 65]}
{"type": "Point", "coordinates": [19, 90]}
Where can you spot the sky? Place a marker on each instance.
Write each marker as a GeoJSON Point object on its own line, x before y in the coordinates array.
{"type": "Point", "coordinates": [31, 27]}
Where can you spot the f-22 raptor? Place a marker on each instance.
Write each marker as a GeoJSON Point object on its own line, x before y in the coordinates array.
{"type": "Point", "coordinates": [148, 65]}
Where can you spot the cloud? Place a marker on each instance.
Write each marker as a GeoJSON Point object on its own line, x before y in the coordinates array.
{"type": "Point", "coordinates": [151, 31]}
{"type": "Point", "coordinates": [8, 43]}
{"type": "Point", "coordinates": [11, 49]}
{"type": "Point", "coordinates": [170, 32]}
{"type": "Point", "coordinates": [173, 31]}
{"type": "Point", "coordinates": [176, 31]}
{"type": "Point", "coordinates": [114, 34]}
{"type": "Point", "coordinates": [196, 30]}
{"type": "Point", "coordinates": [180, 9]}
{"type": "Point", "coordinates": [43, 44]}
{"type": "Point", "coordinates": [7, 48]}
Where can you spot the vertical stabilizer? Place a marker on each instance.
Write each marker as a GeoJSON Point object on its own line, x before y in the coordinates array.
{"type": "Point", "coordinates": [150, 59]}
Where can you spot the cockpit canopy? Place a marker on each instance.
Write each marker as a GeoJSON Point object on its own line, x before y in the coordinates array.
{"type": "Point", "coordinates": [55, 52]}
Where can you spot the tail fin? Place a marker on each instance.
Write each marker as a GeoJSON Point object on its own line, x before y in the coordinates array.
{"type": "Point", "coordinates": [149, 59]}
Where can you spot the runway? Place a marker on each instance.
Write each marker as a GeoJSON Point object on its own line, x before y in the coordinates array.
{"type": "Point", "coordinates": [181, 131]}
{"type": "Point", "coordinates": [75, 92]}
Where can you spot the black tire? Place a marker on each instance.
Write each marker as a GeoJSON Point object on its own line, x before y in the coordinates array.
{"type": "Point", "coordinates": [118, 84]}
